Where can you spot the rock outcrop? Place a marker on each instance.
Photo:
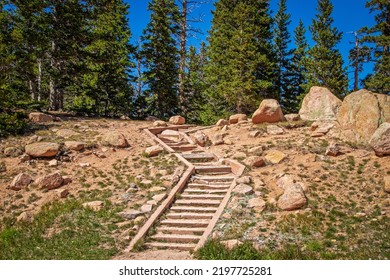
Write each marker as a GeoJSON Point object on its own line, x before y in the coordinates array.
{"type": "Point", "coordinates": [20, 181]}
{"type": "Point", "coordinates": [51, 181]}
{"type": "Point", "coordinates": [380, 141]}
{"type": "Point", "coordinates": [237, 118]}
{"type": "Point", "coordinates": [320, 105]}
{"type": "Point", "coordinates": [42, 149]}
{"type": "Point", "coordinates": [115, 139]}
{"type": "Point", "coordinates": [37, 117]}
{"type": "Point", "coordinates": [269, 112]}
{"type": "Point", "coordinates": [361, 113]}
{"type": "Point", "coordinates": [177, 120]}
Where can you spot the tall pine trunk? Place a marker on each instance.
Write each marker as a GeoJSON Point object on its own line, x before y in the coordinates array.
{"type": "Point", "coordinates": [39, 80]}
{"type": "Point", "coordinates": [52, 83]}
{"type": "Point", "coordinates": [183, 53]}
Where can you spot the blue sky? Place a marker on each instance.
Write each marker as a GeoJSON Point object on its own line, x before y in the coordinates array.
{"type": "Point", "coordinates": [349, 15]}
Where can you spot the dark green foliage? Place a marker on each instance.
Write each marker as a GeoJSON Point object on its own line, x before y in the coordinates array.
{"type": "Point", "coordinates": [12, 124]}
{"type": "Point", "coordinates": [298, 72]}
{"type": "Point", "coordinates": [160, 55]}
{"type": "Point", "coordinates": [240, 70]}
{"type": "Point", "coordinates": [282, 53]}
{"type": "Point", "coordinates": [380, 36]}
{"type": "Point", "coordinates": [324, 62]}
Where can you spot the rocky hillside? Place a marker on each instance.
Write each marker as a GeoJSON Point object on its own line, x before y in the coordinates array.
{"type": "Point", "coordinates": [317, 183]}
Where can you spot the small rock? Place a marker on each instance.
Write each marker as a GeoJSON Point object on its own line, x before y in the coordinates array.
{"type": "Point", "coordinates": [25, 158]}
{"type": "Point", "coordinates": [62, 193]}
{"type": "Point", "coordinates": [201, 139]}
{"type": "Point", "coordinates": [231, 244]}
{"type": "Point", "coordinates": [146, 182]}
{"type": "Point", "coordinates": [218, 140]}
{"type": "Point", "coordinates": [84, 164]}
{"type": "Point", "coordinates": [292, 117]}
{"type": "Point", "coordinates": [257, 203]}
{"type": "Point", "coordinates": [53, 163]}
{"type": "Point", "coordinates": [228, 142]}
{"type": "Point", "coordinates": [387, 183]}
{"type": "Point", "coordinates": [160, 124]}
{"type": "Point", "coordinates": [115, 139]}
{"type": "Point", "coordinates": [12, 152]}
{"type": "Point", "coordinates": [20, 181]}
{"type": "Point", "coordinates": [67, 133]}
{"type": "Point", "coordinates": [139, 220]}
{"type": "Point", "coordinates": [222, 122]}
{"type": "Point", "coordinates": [94, 205]}
{"type": "Point", "coordinates": [177, 120]}
{"type": "Point", "coordinates": [153, 151]}
{"type": "Point", "coordinates": [293, 198]}
{"type": "Point", "coordinates": [255, 161]}
{"type": "Point", "coordinates": [275, 157]}
{"type": "Point", "coordinates": [258, 151]}
{"type": "Point", "coordinates": [25, 217]}
{"type": "Point", "coordinates": [51, 181]}
{"type": "Point", "coordinates": [157, 189]}
{"type": "Point", "coordinates": [132, 188]}
{"type": "Point", "coordinates": [146, 208]}
{"type": "Point", "coordinates": [159, 197]}
{"type": "Point", "coordinates": [75, 145]}
{"type": "Point", "coordinates": [243, 189]}
{"type": "Point", "coordinates": [333, 150]}
{"type": "Point", "coordinates": [236, 118]}
{"type": "Point", "coordinates": [239, 155]}
{"type": "Point", "coordinates": [254, 133]}
{"type": "Point", "coordinates": [131, 214]}
{"type": "Point", "coordinates": [32, 139]}
{"type": "Point", "coordinates": [244, 180]}
{"type": "Point", "coordinates": [274, 130]}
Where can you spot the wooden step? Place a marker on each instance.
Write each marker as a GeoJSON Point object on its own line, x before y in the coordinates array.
{"type": "Point", "coordinates": [199, 156]}
{"type": "Point", "coordinates": [179, 230]}
{"type": "Point", "coordinates": [204, 191]}
{"type": "Point", "coordinates": [213, 186]}
{"type": "Point", "coordinates": [214, 178]}
{"type": "Point", "coordinates": [190, 215]}
{"type": "Point", "coordinates": [212, 168]}
{"type": "Point", "coordinates": [202, 196]}
{"type": "Point", "coordinates": [197, 202]}
{"type": "Point", "coordinates": [196, 209]}
{"type": "Point", "coordinates": [176, 237]}
{"type": "Point", "coordinates": [185, 223]}
{"type": "Point", "coordinates": [174, 145]}
{"type": "Point", "coordinates": [184, 148]}
{"type": "Point", "coordinates": [177, 246]}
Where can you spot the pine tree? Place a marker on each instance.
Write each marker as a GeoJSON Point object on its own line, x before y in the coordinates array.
{"type": "Point", "coordinates": [106, 82]}
{"type": "Point", "coordinates": [194, 84]}
{"type": "Point", "coordinates": [358, 56]}
{"type": "Point", "coordinates": [380, 36]}
{"type": "Point", "coordinates": [161, 58]}
{"type": "Point", "coordinates": [297, 70]}
{"type": "Point", "coordinates": [283, 54]}
{"type": "Point", "coordinates": [324, 63]}
{"type": "Point", "coordinates": [240, 70]}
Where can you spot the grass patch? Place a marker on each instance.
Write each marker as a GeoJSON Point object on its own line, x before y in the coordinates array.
{"type": "Point", "coordinates": [64, 231]}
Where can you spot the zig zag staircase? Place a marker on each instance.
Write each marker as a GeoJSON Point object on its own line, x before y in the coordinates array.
{"type": "Point", "coordinates": [187, 217]}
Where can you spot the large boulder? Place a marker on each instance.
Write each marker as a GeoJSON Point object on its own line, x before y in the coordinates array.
{"type": "Point", "coordinates": [42, 149]}
{"type": "Point", "coordinates": [177, 120]}
{"type": "Point", "coordinates": [380, 141]}
{"type": "Point", "coordinates": [293, 198]}
{"type": "Point", "coordinates": [20, 181]}
{"type": "Point", "coordinates": [268, 112]}
{"type": "Point", "coordinates": [362, 112]}
{"type": "Point", "coordinates": [237, 118]}
{"type": "Point", "coordinates": [115, 139]}
{"type": "Point", "coordinates": [37, 117]}
{"type": "Point", "coordinates": [320, 105]}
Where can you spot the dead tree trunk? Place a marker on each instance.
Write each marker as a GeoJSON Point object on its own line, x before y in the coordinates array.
{"type": "Point", "coordinates": [183, 52]}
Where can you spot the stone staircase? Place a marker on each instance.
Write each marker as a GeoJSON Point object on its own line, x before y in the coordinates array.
{"type": "Point", "coordinates": [187, 219]}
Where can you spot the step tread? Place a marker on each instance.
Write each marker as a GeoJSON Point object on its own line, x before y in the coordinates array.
{"type": "Point", "coordinates": [180, 229]}
{"type": "Point", "coordinates": [189, 208]}
{"type": "Point", "coordinates": [202, 196]}
{"type": "Point", "coordinates": [180, 246]}
{"type": "Point", "coordinates": [176, 236]}
{"type": "Point", "coordinates": [226, 186]}
{"type": "Point", "coordinates": [214, 178]}
{"type": "Point", "coordinates": [205, 191]}
{"type": "Point", "coordinates": [198, 156]}
{"type": "Point", "coordinates": [186, 222]}
{"type": "Point", "coordinates": [197, 202]}
{"type": "Point", "coordinates": [193, 215]}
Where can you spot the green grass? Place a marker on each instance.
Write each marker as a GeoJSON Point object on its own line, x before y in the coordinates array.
{"type": "Point", "coordinates": [62, 230]}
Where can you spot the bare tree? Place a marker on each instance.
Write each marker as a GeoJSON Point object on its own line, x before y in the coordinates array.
{"type": "Point", "coordinates": [358, 56]}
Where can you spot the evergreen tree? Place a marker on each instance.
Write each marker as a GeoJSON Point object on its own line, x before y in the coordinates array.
{"type": "Point", "coordinates": [357, 57]}
{"type": "Point", "coordinates": [380, 36]}
{"type": "Point", "coordinates": [161, 58]}
{"type": "Point", "coordinates": [240, 70]}
{"type": "Point", "coordinates": [283, 54]}
{"type": "Point", "coordinates": [324, 63]}
{"type": "Point", "coordinates": [194, 84]}
{"type": "Point", "coordinates": [298, 71]}
{"type": "Point", "coordinates": [106, 86]}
